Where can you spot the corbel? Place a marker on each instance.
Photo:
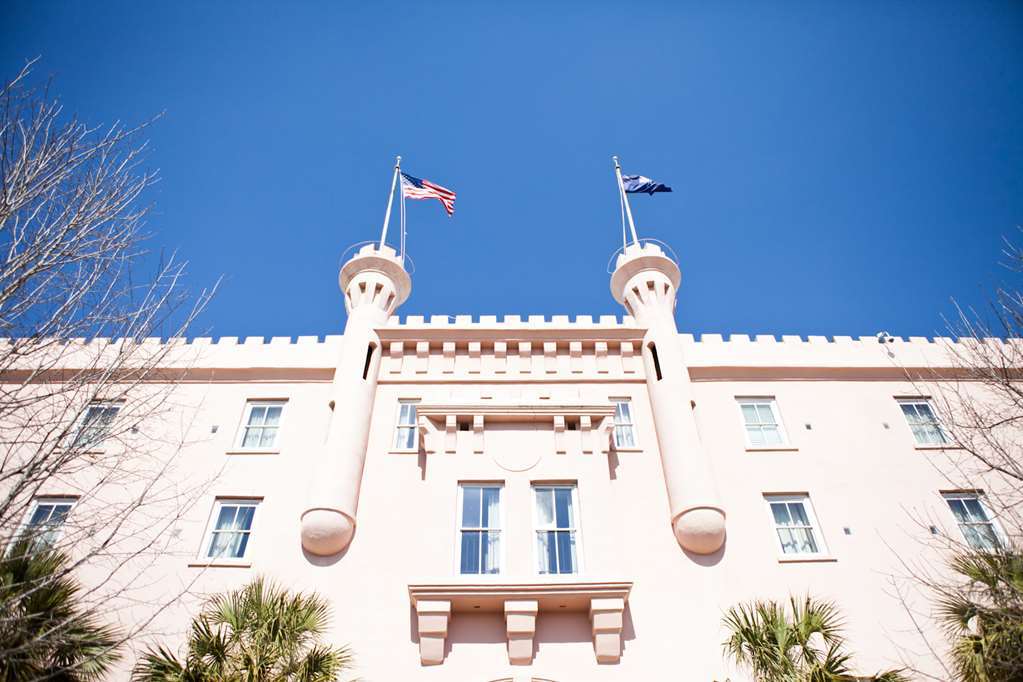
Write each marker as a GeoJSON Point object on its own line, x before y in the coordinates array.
{"type": "Point", "coordinates": [500, 357]}
{"type": "Point", "coordinates": [628, 357]}
{"type": "Point", "coordinates": [525, 357]}
{"type": "Point", "coordinates": [432, 618]}
{"type": "Point", "coordinates": [520, 622]}
{"type": "Point", "coordinates": [585, 432]}
{"type": "Point", "coordinates": [550, 357]}
{"type": "Point", "coordinates": [474, 357]}
{"type": "Point", "coordinates": [559, 435]}
{"type": "Point", "coordinates": [422, 357]}
{"type": "Point", "coordinates": [575, 354]}
{"type": "Point", "coordinates": [397, 356]}
{"type": "Point", "coordinates": [600, 353]}
{"type": "Point", "coordinates": [477, 434]}
{"type": "Point", "coordinates": [450, 433]}
{"type": "Point", "coordinates": [606, 620]}
{"type": "Point", "coordinates": [448, 349]}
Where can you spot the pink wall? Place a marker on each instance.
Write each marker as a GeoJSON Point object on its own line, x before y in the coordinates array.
{"type": "Point", "coordinates": [859, 474]}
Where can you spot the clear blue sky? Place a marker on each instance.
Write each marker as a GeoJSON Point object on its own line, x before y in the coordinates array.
{"type": "Point", "coordinates": [839, 167]}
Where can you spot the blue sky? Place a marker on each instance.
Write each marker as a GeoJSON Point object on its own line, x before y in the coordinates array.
{"type": "Point", "coordinates": [839, 167]}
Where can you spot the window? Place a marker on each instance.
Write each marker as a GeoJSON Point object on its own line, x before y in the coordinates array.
{"type": "Point", "coordinates": [260, 426]}
{"type": "Point", "coordinates": [974, 520]}
{"type": "Point", "coordinates": [480, 529]}
{"type": "Point", "coordinates": [921, 419]}
{"type": "Point", "coordinates": [406, 435]}
{"type": "Point", "coordinates": [94, 426]}
{"type": "Point", "coordinates": [763, 428]}
{"type": "Point", "coordinates": [230, 527]}
{"type": "Point", "coordinates": [795, 524]}
{"type": "Point", "coordinates": [45, 519]}
{"type": "Point", "coordinates": [557, 529]}
{"type": "Point", "coordinates": [625, 436]}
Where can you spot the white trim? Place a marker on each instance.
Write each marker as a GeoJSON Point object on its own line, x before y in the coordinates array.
{"type": "Point", "coordinates": [772, 404]}
{"type": "Point", "coordinates": [239, 440]}
{"type": "Point", "coordinates": [72, 502]}
{"type": "Point", "coordinates": [577, 528]}
{"type": "Point", "coordinates": [203, 554]}
{"type": "Point", "coordinates": [977, 495]}
{"type": "Point", "coordinates": [399, 426]}
{"type": "Point", "coordinates": [935, 421]}
{"type": "Point", "coordinates": [502, 528]}
{"type": "Point", "coordinates": [615, 400]}
{"type": "Point", "coordinates": [815, 526]}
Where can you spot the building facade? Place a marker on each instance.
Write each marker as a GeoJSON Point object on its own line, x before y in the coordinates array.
{"type": "Point", "coordinates": [558, 499]}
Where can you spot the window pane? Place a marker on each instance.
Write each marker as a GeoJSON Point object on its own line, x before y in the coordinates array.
{"type": "Point", "coordinates": [225, 520]}
{"type": "Point", "coordinates": [59, 513]}
{"type": "Point", "coordinates": [974, 509]}
{"type": "Point", "coordinates": [219, 545]}
{"type": "Point", "coordinates": [252, 436]}
{"type": "Point", "coordinates": [563, 507]}
{"type": "Point", "coordinates": [781, 514]}
{"type": "Point", "coordinates": [566, 552]}
{"type": "Point", "coordinates": [798, 514]}
{"type": "Point", "coordinates": [788, 541]}
{"type": "Point", "coordinates": [273, 415]}
{"type": "Point", "coordinates": [749, 413]}
{"type": "Point", "coordinates": [257, 414]}
{"type": "Point", "coordinates": [491, 508]}
{"type": "Point", "coordinates": [243, 519]}
{"type": "Point", "coordinates": [988, 538]}
{"type": "Point", "coordinates": [765, 414]}
{"type": "Point", "coordinates": [269, 437]}
{"type": "Point", "coordinates": [550, 544]}
{"type": "Point", "coordinates": [491, 549]}
{"type": "Point", "coordinates": [471, 506]}
{"type": "Point", "coordinates": [470, 552]}
{"type": "Point", "coordinates": [544, 552]}
{"type": "Point", "coordinates": [771, 436]}
{"type": "Point", "coordinates": [241, 541]}
{"type": "Point", "coordinates": [909, 410]}
{"type": "Point", "coordinates": [544, 507]}
{"type": "Point", "coordinates": [958, 510]}
{"type": "Point", "coordinates": [41, 514]}
{"type": "Point", "coordinates": [807, 544]}
{"type": "Point", "coordinates": [623, 413]}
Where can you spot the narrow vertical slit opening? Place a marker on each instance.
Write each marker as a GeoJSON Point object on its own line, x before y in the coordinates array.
{"type": "Point", "coordinates": [369, 358]}
{"type": "Point", "coordinates": [657, 361]}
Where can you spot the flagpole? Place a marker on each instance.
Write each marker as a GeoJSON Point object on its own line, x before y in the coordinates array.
{"type": "Point", "coordinates": [621, 202]}
{"type": "Point", "coordinates": [401, 206]}
{"type": "Point", "coordinates": [625, 200]}
{"type": "Point", "coordinates": [390, 198]}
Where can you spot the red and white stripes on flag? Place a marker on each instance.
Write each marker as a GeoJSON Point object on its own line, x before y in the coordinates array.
{"type": "Point", "coordinates": [415, 188]}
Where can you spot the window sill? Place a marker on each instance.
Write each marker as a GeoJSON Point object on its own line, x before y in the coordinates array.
{"type": "Point", "coordinates": [775, 448]}
{"type": "Point", "coordinates": [627, 450]}
{"type": "Point", "coordinates": [948, 446]}
{"type": "Point", "coordinates": [809, 559]}
{"type": "Point", "coordinates": [220, 564]}
{"type": "Point", "coordinates": [242, 451]}
{"type": "Point", "coordinates": [403, 452]}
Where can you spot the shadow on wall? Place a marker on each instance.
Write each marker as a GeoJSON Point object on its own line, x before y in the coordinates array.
{"type": "Point", "coordinates": [708, 560]}
{"type": "Point", "coordinates": [552, 627]}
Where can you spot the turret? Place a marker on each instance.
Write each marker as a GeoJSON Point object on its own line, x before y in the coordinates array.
{"type": "Point", "coordinates": [646, 281]}
{"type": "Point", "coordinates": [374, 283]}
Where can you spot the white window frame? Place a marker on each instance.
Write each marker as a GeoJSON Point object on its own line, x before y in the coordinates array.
{"type": "Point", "coordinates": [501, 529]}
{"type": "Point", "coordinates": [631, 424]}
{"type": "Point", "coordinates": [577, 528]}
{"type": "Point", "coordinates": [811, 515]}
{"type": "Point", "coordinates": [772, 404]}
{"type": "Point", "coordinates": [936, 422]}
{"type": "Point", "coordinates": [239, 441]}
{"type": "Point", "coordinates": [81, 425]}
{"type": "Point", "coordinates": [211, 523]}
{"type": "Point", "coordinates": [996, 528]}
{"type": "Point", "coordinates": [399, 426]}
{"type": "Point", "coordinates": [72, 502]}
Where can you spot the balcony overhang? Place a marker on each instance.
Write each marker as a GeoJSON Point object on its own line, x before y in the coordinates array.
{"type": "Point", "coordinates": [521, 603]}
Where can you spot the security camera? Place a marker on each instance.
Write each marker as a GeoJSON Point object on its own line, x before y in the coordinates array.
{"type": "Point", "coordinates": [885, 337]}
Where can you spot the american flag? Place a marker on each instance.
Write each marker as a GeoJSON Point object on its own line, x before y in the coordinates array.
{"type": "Point", "coordinates": [414, 188]}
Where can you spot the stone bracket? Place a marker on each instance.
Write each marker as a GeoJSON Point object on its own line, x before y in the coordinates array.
{"type": "Point", "coordinates": [520, 623]}
{"type": "Point", "coordinates": [607, 620]}
{"type": "Point", "coordinates": [432, 617]}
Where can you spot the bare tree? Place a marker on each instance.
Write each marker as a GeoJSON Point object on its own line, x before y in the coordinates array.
{"type": "Point", "coordinates": [86, 384]}
{"type": "Point", "coordinates": [975, 592]}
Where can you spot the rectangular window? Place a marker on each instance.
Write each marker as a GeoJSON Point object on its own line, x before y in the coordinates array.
{"type": "Point", "coordinates": [763, 428]}
{"type": "Point", "coordinates": [557, 528]}
{"type": "Point", "coordinates": [625, 436]}
{"type": "Point", "coordinates": [974, 520]}
{"type": "Point", "coordinates": [480, 529]}
{"type": "Point", "coordinates": [45, 519]}
{"type": "Point", "coordinates": [94, 426]}
{"type": "Point", "coordinates": [795, 524]}
{"type": "Point", "coordinates": [406, 434]}
{"type": "Point", "coordinates": [922, 421]}
{"type": "Point", "coordinates": [230, 527]}
{"type": "Point", "coordinates": [261, 423]}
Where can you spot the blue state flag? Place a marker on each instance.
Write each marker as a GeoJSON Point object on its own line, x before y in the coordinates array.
{"type": "Point", "coordinates": [638, 184]}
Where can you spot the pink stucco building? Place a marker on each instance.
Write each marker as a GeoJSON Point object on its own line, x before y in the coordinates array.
{"type": "Point", "coordinates": [568, 499]}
